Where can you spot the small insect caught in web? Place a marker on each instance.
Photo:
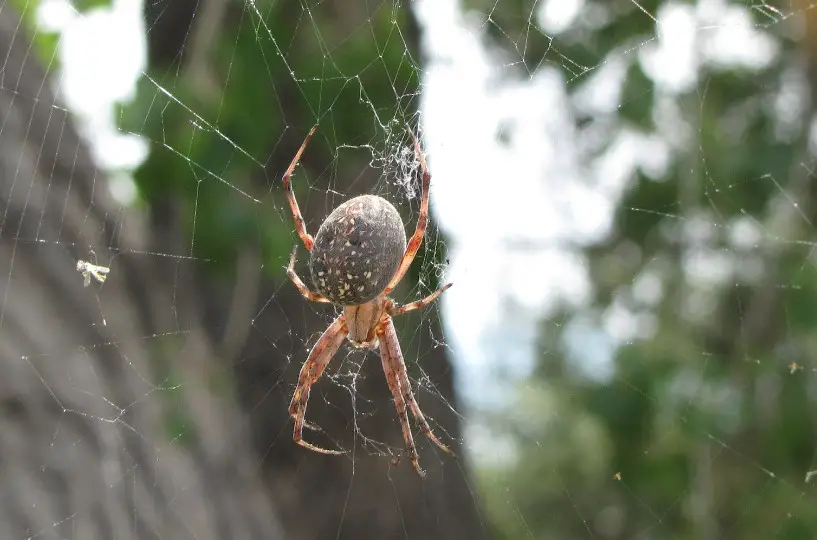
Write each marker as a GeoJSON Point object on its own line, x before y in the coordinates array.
{"type": "Point", "coordinates": [90, 270]}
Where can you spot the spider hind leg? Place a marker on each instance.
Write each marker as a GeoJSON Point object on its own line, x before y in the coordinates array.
{"type": "Point", "coordinates": [394, 367]}
{"type": "Point", "coordinates": [393, 381]}
{"type": "Point", "coordinates": [319, 357]}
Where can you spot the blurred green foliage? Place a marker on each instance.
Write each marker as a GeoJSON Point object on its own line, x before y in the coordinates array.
{"type": "Point", "coordinates": [87, 5]}
{"type": "Point", "coordinates": [45, 43]}
{"type": "Point", "coordinates": [273, 73]}
{"type": "Point", "coordinates": [706, 428]}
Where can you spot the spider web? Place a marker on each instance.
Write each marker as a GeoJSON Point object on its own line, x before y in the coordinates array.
{"type": "Point", "coordinates": [588, 380]}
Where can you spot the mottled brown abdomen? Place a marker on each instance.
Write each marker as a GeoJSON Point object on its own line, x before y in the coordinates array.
{"type": "Point", "coordinates": [357, 250]}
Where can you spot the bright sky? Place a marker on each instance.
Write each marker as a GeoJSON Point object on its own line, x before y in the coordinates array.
{"type": "Point", "coordinates": [509, 259]}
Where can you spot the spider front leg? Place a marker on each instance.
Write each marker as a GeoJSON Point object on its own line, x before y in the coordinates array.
{"type": "Point", "coordinates": [394, 367]}
{"type": "Point", "coordinates": [395, 310]}
{"type": "Point", "coordinates": [302, 288]}
{"type": "Point", "coordinates": [319, 357]}
{"type": "Point", "coordinates": [300, 225]}
{"type": "Point", "coordinates": [422, 221]}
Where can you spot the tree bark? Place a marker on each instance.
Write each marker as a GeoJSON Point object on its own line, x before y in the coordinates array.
{"type": "Point", "coordinates": [84, 445]}
{"type": "Point", "coordinates": [359, 495]}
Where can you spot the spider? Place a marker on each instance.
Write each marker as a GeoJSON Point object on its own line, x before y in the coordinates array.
{"type": "Point", "coordinates": [357, 258]}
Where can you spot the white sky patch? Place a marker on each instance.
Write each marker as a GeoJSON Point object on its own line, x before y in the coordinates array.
{"type": "Point", "coordinates": [556, 16]}
{"type": "Point", "coordinates": [708, 267]}
{"type": "Point", "coordinates": [490, 448]}
{"type": "Point", "coordinates": [624, 325]}
{"type": "Point", "coordinates": [55, 15]}
{"type": "Point", "coordinates": [745, 233]}
{"type": "Point", "coordinates": [505, 169]}
{"type": "Point", "coordinates": [648, 288]}
{"type": "Point", "coordinates": [675, 47]}
{"type": "Point", "coordinates": [613, 171]}
{"type": "Point", "coordinates": [654, 156]}
{"type": "Point", "coordinates": [732, 39]}
{"type": "Point", "coordinates": [791, 102]}
{"type": "Point", "coordinates": [723, 35]}
{"type": "Point", "coordinates": [600, 92]}
{"type": "Point", "coordinates": [102, 53]}
{"type": "Point", "coordinates": [592, 348]}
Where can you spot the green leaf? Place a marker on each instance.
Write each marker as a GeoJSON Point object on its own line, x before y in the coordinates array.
{"type": "Point", "coordinates": [86, 5]}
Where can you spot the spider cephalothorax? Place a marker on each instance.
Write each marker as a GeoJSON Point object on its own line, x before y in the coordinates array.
{"type": "Point", "coordinates": [357, 258]}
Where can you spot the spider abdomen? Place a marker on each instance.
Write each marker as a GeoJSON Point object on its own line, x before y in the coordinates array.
{"type": "Point", "coordinates": [357, 250]}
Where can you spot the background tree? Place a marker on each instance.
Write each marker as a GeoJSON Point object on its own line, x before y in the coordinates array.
{"type": "Point", "coordinates": [82, 410]}
{"type": "Point", "coordinates": [706, 427]}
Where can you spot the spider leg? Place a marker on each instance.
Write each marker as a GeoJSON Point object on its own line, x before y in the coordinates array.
{"type": "Point", "coordinates": [302, 288]}
{"type": "Point", "coordinates": [393, 380]}
{"type": "Point", "coordinates": [395, 310]}
{"type": "Point", "coordinates": [399, 365]}
{"type": "Point", "coordinates": [422, 221]}
{"type": "Point", "coordinates": [319, 357]}
{"type": "Point", "coordinates": [307, 238]}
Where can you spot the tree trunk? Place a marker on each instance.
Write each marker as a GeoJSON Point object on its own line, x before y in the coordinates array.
{"type": "Point", "coordinates": [84, 450]}
{"type": "Point", "coordinates": [359, 495]}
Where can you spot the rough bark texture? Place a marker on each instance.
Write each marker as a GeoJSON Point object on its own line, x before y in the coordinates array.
{"type": "Point", "coordinates": [84, 445]}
